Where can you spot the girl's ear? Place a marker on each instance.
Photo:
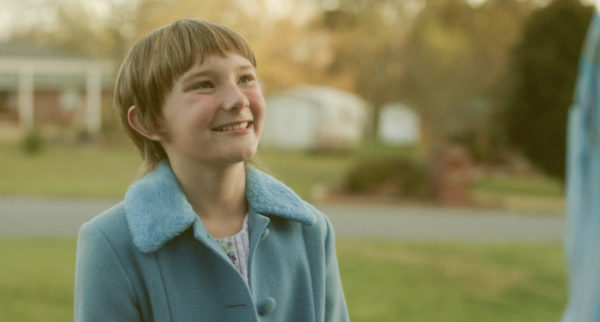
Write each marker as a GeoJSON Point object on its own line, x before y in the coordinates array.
{"type": "Point", "coordinates": [133, 119]}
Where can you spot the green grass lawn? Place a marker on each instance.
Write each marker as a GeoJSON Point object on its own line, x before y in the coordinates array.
{"type": "Point", "coordinates": [393, 281]}
{"type": "Point", "coordinates": [103, 170]}
{"type": "Point", "coordinates": [521, 193]}
{"type": "Point", "coordinates": [36, 279]}
{"type": "Point", "coordinates": [66, 170]}
{"type": "Point", "coordinates": [106, 171]}
{"type": "Point", "coordinates": [505, 184]}
{"type": "Point", "coordinates": [383, 281]}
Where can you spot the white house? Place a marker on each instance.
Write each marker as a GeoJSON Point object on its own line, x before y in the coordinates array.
{"type": "Point", "coordinates": [314, 118]}
{"type": "Point", "coordinates": [40, 82]}
{"type": "Point", "coordinates": [398, 125]}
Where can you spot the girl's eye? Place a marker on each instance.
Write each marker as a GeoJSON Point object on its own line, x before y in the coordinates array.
{"type": "Point", "coordinates": [246, 79]}
{"type": "Point", "coordinates": [203, 85]}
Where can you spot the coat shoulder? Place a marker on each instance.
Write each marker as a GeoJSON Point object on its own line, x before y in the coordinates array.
{"type": "Point", "coordinates": [111, 225]}
{"type": "Point", "coordinates": [321, 225]}
{"type": "Point", "coordinates": [106, 286]}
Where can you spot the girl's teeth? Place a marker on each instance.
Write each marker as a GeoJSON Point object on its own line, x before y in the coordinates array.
{"type": "Point", "coordinates": [234, 127]}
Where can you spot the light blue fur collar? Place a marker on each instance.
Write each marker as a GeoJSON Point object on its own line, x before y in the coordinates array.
{"type": "Point", "coordinates": [157, 210]}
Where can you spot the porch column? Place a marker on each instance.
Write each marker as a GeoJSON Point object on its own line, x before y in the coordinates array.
{"type": "Point", "coordinates": [25, 99]}
{"type": "Point", "coordinates": [93, 100]}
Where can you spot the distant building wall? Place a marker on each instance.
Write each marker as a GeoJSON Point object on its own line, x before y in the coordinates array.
{"type": "Point", "coordinates": [398, 125]}
{"type": "Point", "coordinates": [290, 122]}
{"type": "Point", "coordinates": [310, 117]}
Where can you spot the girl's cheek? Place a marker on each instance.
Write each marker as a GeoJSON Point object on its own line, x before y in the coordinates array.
{"type": "Point", "coordinates": [255, 91]}
{"type": "Point", "coordinates": [257, 97]}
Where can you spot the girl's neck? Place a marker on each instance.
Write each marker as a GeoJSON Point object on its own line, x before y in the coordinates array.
{"type": "Point", "coordinates": [216, 193]}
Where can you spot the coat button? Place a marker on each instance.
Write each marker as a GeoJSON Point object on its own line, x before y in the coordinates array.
{"type": "Point", "coordinates": [266, 306]}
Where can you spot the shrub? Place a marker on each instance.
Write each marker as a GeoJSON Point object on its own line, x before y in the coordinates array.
{"type": "Point", "coordinates": [395, 176]}
{"type": "Point", "coordinates": [32, 142]}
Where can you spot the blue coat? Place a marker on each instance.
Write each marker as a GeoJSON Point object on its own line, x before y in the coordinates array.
{"type": "Point", "coordinates": [150, 258]}
{"type": "Point", "coordinates": [582, 227]}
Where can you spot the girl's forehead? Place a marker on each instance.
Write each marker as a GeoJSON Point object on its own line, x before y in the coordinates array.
{"type": "Point", "coordinates": [229, 56]}
{"type": "Point", "coordinates": [230, 60]}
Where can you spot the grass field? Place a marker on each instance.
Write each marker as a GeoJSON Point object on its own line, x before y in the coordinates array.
{"type": "Point", "coordinates": [102, 170]}
{"type": "Point", "coordinates": [106, 171]}
{"type": "Point", "coordinates": [66, 170]}
{"type": "Point", "coordinates": [383, 281]}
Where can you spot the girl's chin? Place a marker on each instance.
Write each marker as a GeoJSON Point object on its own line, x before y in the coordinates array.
{"type": "Point", "coordinates": [242, 157]}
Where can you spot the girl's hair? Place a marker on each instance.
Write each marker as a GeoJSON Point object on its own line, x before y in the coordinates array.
{"type": "Point", "coordinates": [155, 62]}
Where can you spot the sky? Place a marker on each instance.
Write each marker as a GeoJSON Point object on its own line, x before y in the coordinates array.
{"type": "Point", "coordinates": [23, 12]}
{"type": "Point", "coordinates": [28, 12]}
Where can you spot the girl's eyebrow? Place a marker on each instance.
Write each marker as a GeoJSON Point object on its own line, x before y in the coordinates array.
{"type": "Point", "coordinates": [245, 67]}
{"type": "Point", "coordinates": [189, 78]}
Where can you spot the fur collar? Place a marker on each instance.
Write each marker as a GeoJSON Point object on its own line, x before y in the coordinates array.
{"type": "Point", "coordinates": [157, 209]}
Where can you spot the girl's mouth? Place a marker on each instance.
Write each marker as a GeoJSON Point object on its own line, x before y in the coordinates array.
{"type": "Point", "coordinates": [233, 127]}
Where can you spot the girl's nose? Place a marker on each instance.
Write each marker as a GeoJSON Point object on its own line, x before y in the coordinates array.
{"type": "Point", "coordinates": [235, 99]}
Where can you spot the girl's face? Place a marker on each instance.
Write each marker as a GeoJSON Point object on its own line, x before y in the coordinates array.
{"type": "Point", "coordinates": [214, 113]}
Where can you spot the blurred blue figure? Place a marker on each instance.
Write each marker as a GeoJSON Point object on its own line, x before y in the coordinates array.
{"type": "Point", "coordinates": [582, 239]}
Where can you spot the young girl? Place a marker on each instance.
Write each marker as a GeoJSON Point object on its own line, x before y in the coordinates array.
{"type": "Point", "coordinates": [202, 236]}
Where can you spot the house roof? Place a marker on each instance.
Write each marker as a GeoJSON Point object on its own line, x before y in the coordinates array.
{"type": "Point", "coordinates": [22, 50]}
{"type": "Point", "coordinates": [10, 82]}
{"type": "Point", "coordinates": [52, 69]}
{"type": "Point", "coordinates": [322, 96]}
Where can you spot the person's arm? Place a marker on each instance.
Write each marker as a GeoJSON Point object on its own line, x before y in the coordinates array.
{"type": "Point", "coordinates": [103, 290]}
{"type": "Point", "coordinates": [335, 303]}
